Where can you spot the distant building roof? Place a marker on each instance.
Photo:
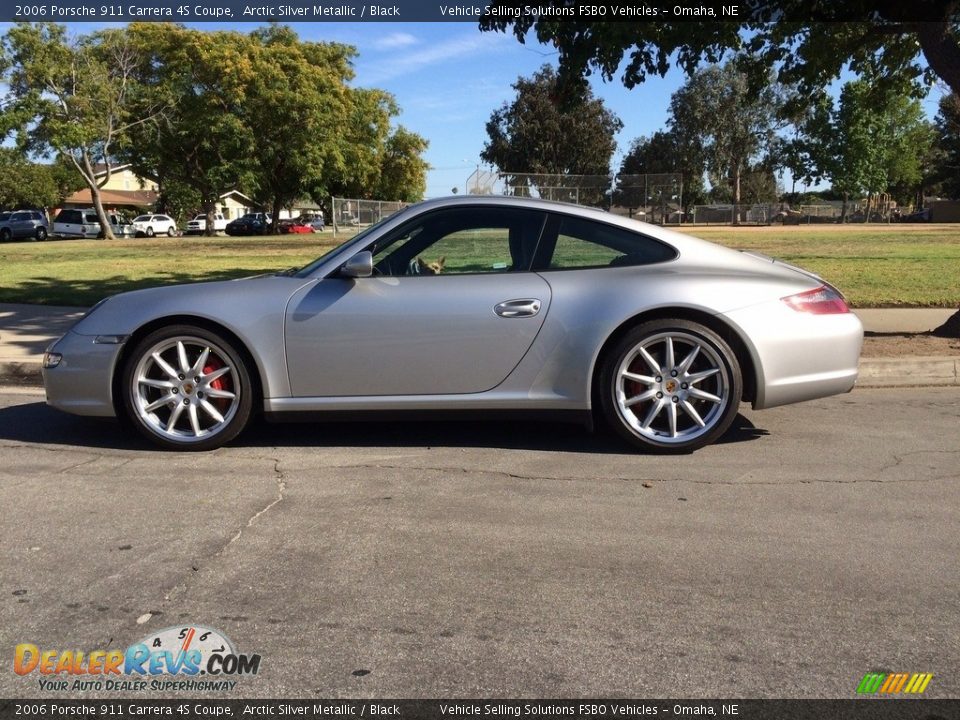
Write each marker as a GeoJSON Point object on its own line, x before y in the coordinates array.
{"type": "Point", "coordinates": [130, 198]}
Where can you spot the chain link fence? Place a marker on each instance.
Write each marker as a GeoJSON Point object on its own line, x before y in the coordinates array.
{"type": "Point", "coordinates": [652, 197]}
{"type": "Point", "coordinates": [351, 215]}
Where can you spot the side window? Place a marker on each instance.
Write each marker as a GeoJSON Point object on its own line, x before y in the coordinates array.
{"type": "Point", "coordinates": [463, 240]}
{"type": "Point", "coordinates": [582, 244]}
{"type": "Point", "coordinates": [69, 216]}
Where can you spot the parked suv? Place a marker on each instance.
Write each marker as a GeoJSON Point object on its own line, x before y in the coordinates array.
{"type": "Point", "coordinates": [151, 225]}
{"type": "Point", "coordinates": [198, 226]}
{"type": "Point", "coordinates": [84, 224]}
{"type": "Point", "coordinates": [24, 224]}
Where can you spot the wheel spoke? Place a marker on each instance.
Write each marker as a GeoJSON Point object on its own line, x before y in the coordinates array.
{"type": "Point", "coordinates": [194, 419]}
{"type": "Point", "coordinates": [672, 418]}
{"type": "Point", "coordinates": [165, 366]}
{"type": "Point", "coordinates": [692, 412]}
{"type": "Point", "coordinates": [157, 404]}
{"type": "Point", "coordinates": [648, 358]}
{"type": "Point", "coordinates": [201, 361]}
{"type": "Point", "coordinates": [215, 393]}
{"type": "Point", "coordinates": [652, 392]}
{"type": "Point", "coordinates": [159, 384]}
{"type": "Point", "coordinates": [174, 416]}
{"type": "Point", "coordinates": [696, 377]}
{"type": "Point", "coordinates": [688, 360]}
{"type": "Point", "coordinates": [701, 395]}
{"type": "Point", "coordinates": [211, 411]}
{"type": "Point", "coordinates": [644, 379]}
{"type": "Point", "coordinates": [218, 373]}
{"type": "Point", "coordinates": [651, 416]}
{"type": "Point", "coordinates": [182, 357]}
{"type": "Point", "coordinates": [669, 360]}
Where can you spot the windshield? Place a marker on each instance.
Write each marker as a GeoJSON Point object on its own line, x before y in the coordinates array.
{"type": "Point", "coordinates": [308, 269]}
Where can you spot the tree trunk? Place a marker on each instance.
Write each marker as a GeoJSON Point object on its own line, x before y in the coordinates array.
{"type": "Point", "coordinates": [941, 51]}
{"type": "Point", "coordinates": [275, 214]}
{"type": "Point", "coordinates": [210, 208]}
{"type": "Point", "coordinates": [843, 209]}
{"type": "Point", "coordinates": [90, 176]}
{"type": "Point", "coordinates": [736, 194]}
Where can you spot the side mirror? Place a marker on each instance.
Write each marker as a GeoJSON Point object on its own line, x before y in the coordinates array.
{"type": "Point", "coordinates": [359, 266]}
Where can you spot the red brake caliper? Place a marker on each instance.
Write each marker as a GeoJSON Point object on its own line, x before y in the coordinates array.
{"type": "Point", "coordinates": [221, 383]}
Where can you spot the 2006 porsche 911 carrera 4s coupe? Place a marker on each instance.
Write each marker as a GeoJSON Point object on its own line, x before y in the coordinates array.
{"type": "Point", "coordinates": [470, 303]}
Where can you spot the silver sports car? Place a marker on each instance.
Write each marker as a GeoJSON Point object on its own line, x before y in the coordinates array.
{"type": "Point", "coordinates": [471, 303]}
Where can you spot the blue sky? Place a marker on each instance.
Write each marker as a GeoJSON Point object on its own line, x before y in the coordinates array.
{"type": "Point", "coordinates": [448, 77]}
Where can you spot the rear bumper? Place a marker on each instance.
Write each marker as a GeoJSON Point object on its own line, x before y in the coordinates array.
{"type": "Point", "coordinates": [82, 383]}
{"type": "Point", "coordinates": [799, 356]}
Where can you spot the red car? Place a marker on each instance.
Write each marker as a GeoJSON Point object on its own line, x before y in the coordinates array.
{"type": "Point", "coordinates": [302, 224]}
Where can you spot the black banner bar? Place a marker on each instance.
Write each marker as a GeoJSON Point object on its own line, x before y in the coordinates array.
{"type": "Point", "coordinates": [465, 11]}
{"type": "Point", "coordinates": [592, 709]}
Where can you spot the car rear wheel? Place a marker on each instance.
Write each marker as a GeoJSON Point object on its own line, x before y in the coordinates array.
{"type": "Point", "coordinates": [41, 233]}
{"type": "Point", "coordinates": [187, 388]}
{"type": "Point", "coordinates": [670, 386]}
{"type": "Point", "coordinates": [171, 231]}
{"type": "Point", "coordinates": [5, 235]}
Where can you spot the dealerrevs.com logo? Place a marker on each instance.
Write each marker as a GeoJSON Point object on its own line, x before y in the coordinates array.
{"type": "Point", "coordinates": [192, 658]}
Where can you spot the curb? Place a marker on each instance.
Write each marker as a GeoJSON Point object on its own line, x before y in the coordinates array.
{"type": "Point", "coordinates": [916, 371]}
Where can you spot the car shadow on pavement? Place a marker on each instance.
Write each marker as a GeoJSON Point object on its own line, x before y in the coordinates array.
{"type": "Point", "coordinates": [38, 423]}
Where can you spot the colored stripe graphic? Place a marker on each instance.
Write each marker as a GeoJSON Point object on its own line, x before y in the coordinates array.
{"type": "Point", "coordinates": [893, 683]}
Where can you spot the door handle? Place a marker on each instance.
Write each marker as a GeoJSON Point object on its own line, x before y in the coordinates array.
{"type": "Point", "coordinates": [525, 307]}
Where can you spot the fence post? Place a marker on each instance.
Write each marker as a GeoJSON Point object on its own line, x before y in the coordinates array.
{"type": "Point", "coordinates": [333, 212]}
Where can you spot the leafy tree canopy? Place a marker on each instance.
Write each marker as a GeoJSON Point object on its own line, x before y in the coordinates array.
{"type": "Point", "coordinates": [539, 134]}
{"type": "Point", "coordinates": [807, 42]}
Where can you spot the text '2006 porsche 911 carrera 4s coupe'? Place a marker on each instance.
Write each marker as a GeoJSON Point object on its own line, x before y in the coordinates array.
{"type": "Point", "coordinates": [470, 304]}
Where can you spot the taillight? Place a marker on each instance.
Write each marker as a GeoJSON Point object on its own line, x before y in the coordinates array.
{"type": "Point", "coordinates": [824, 300]}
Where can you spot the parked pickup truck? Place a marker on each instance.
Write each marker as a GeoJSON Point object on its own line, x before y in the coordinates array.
{"type": "Point", "coordinates": [198, 226]}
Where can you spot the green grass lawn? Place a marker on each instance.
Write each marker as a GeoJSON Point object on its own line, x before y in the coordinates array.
{"type": "Point", "coordinates": [896, 265]}
{"type": "Point", "coordinates": [909, 265]}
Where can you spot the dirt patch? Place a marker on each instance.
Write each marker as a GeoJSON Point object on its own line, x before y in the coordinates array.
{"type": "Point", "coordinates": [876, 345]}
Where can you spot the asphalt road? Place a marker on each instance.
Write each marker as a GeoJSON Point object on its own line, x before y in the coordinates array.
{"type": "Point", "coordinates": [816, 543]}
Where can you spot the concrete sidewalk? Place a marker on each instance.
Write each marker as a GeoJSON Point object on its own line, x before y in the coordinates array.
{"type": "Point", "coordinates": [26, 330]}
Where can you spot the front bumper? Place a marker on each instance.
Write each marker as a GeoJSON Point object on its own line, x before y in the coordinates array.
{"type": "Point", "coordinates": [82, 383]}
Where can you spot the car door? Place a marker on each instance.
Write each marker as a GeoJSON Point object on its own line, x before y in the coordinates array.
{"type": "Point", "coordinates": [452, 308]}
{"type": "Point", "coordinates": [21, 225]}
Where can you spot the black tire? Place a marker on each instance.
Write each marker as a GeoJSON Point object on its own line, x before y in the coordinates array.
{"type": "Point", "coordinates": [135, 392]}
{"type": "Point", "coordinates": [5, 235]}
{"type": "Point", "coordinates": [41, 233]}
{"type": "Point", "coordinates": [150, 232]}
{"type": "Point", "coordinates": [171, 231]}
{"type": "Point", "coordinates": [651, 423]}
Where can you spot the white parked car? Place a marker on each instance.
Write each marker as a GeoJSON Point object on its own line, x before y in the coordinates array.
{"type": "Point", "coordinates": [198, 226]}
{"type": "Point", "coordinates": [151, 225]}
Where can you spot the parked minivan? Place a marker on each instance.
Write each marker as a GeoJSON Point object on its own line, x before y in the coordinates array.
{"type": "Point", "coordinates": [84, 224]}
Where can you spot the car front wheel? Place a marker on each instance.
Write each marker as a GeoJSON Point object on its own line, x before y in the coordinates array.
{"type": "Point", "coordinates": [171, 231]}
{"type": "Point", "coordinates": [670, 386]}
{"type": "Point", "coordinates": [41, 233]}
{"type": "Point", "coordinates": [187, 388]}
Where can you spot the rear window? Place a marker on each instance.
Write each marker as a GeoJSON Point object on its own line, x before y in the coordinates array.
{"type": "Point", "coordinates": [69, 216]}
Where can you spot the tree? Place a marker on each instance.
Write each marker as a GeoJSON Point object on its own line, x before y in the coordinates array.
{"type": "Point", "coordinates": [807, 42]}
{"type": "Point", "coordinates": [26, 184]}
{"type": "Point", "coordinates": [403, 172]}
{"type": "Point", "coordinates": [662, 152]}
{"type": "Point", "coordinates": [74, 98]}
{"type": "Point", "coordinates": [732, 125]}
{"type": "Point", "coordinates": [297, 102]}
{"type": "Point", "coordinates": [544, 131]}
{"type": "Point", "coordinates": [863, 148]}
{"type": "Point", "coordinates": [947, 125]}
{"type": "Point", "coordinates": [204, 147]}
